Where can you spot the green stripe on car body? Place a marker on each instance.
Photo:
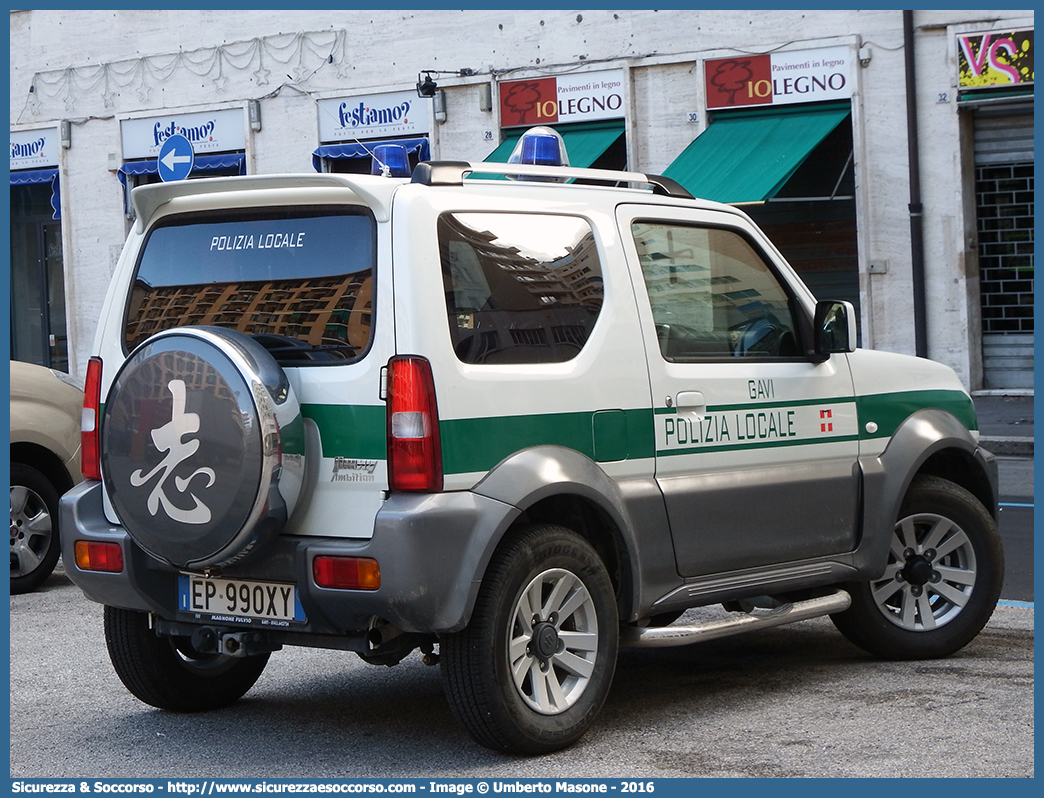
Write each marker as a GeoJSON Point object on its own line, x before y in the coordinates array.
{"type": "Point", "coordinates": [477, 444]}
{"type": "Point", "coordinates": [471, 445]}
{"type": "Point", "coordinates": [354, 431]}
{"type": "Point", "coordinates": [890, 410]}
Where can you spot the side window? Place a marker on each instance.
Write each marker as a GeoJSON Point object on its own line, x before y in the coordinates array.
{"type": "Point", "coordinates": [712, 294]}
{"type": "Point", "coordinates": [520, 288]}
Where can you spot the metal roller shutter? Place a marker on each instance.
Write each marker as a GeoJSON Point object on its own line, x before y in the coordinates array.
{"type": "Point", "coordinates": [1003, 137]}
{"type": "Point", "coordinates": [1003, 147]}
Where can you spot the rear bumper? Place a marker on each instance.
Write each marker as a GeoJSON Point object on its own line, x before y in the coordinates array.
{"type": "Point", "coordinates": [432, 551]}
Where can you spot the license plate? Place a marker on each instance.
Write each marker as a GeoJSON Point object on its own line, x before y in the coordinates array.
{"type": "Point", "coordinates": [239, 600]}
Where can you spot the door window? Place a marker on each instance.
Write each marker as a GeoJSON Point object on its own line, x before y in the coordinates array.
{"type": "Point", "coordinates": [712, 294]}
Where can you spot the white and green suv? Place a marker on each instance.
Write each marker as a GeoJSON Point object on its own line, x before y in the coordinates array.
{"type": "Point", "coordinates": [514, 424]}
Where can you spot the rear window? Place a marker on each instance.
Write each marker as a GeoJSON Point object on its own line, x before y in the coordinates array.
{"type": "Point", "coordinates": [301, 284]}
{"type": "Point", "coordinates": [520, 288]}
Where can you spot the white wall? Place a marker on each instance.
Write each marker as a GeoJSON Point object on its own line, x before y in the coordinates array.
{"type": "Point", "coordinates": [375, 51]}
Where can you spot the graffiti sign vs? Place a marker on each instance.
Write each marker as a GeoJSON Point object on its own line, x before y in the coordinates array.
{"type": "Point", "coordinates": [997, 58]}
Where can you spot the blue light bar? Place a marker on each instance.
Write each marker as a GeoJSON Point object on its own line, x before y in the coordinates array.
{"type": "Point", "coordinates": [390, 160]}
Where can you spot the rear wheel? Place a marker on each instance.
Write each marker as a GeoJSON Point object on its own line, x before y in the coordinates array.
{"type": "Point", "coordinates": [942, 582]}
{"type": "Point", "coordinates": [35, 546]}
{"type": "Point", "coordinates": [533, 667]}
{"type": "Point", "coordinates": [167, 672]}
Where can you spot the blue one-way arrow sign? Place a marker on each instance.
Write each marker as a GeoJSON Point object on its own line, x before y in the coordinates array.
{"type": "Point", "coordinates": [175, 158]}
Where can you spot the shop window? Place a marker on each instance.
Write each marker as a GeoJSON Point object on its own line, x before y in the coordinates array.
{"type": "Point", "coordinates": [38, 323]}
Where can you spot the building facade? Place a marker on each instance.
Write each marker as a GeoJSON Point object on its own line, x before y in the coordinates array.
{"type": "Point", "coordinates": [889, 155]}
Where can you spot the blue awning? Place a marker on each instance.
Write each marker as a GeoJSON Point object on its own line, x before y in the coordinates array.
{"type": "Point", "coordinates": [201, 163]}
{"type": "Point", "coordinates": [28, 177]}
{"type": "Point", "coordinates": [358, 149]}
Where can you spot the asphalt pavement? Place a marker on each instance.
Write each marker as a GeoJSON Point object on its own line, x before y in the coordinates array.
{"type": "Point", "coordinates": [1006, 429]}
{"type": "Point", "coordinates": [1005, 423]}
{"type": "Point", "coordinates": [796, 701]}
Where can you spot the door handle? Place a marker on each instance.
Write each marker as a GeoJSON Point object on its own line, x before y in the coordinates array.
{"type": "Point", "coordinates": [690, 401]}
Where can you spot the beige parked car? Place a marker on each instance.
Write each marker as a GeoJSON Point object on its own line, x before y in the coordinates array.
{"type": "Point", "coordinates": [45, 462]}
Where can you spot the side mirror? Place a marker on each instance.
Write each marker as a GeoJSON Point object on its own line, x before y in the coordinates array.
{"type": "Point", "coordinates": [835, 327]}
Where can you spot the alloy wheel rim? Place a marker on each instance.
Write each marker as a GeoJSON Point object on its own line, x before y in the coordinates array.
{"type": "Point", "coordinates": [930, 574]}
{"type": "Point", "coordinates": [31, 530]}
{"type": "Point", "coordinates": [553, 641]}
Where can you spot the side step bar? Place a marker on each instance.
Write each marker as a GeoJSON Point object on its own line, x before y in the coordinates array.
{"type": "Point", "coordinates": [663, 636]}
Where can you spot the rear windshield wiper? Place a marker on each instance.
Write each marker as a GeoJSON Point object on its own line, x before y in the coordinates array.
{"type": "Point", "coordinates": [284, 347]}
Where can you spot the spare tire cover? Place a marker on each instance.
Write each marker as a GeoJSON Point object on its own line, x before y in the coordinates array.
{"type": "Point", "coordinates": [202, 446]}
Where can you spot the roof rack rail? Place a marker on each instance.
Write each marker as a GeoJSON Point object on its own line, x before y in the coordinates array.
{"type": "Point", "coordinates": [451, 173]}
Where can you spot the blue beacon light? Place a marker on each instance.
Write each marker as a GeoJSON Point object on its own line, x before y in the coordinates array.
{"type": "Point", "coordinates": [390, 160]}
{"type": "Point", "coordinates": [540, 146]}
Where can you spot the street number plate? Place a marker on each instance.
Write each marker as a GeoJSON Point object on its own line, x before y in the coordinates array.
{"type": "Point", "coordinates": [238, 599]}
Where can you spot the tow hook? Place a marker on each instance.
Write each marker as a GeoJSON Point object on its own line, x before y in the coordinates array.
{"type": "Point", "coordinates": [430, 658]}
{"type": "Point", "coordinates": [208, 640]}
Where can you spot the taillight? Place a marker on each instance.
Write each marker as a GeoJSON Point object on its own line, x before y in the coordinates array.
{"type": "Point", "coordinates": [94, 556]}
{"type": "Point", "coordinates": [414, 450]}
{"type": "Point", "coordinates": [90, 421]}
{"type": "Point", "coordinates": [346, 573]}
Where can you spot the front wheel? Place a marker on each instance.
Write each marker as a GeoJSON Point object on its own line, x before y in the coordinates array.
{"type": "Point", "coordinates": [534, 666]}
{"type": "Point", "coordinates": [168, 673]}
{"type": "Point", "coordinates": [941, 584]}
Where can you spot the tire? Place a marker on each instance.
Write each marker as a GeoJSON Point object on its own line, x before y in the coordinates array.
{"type": "Point", "coordinates": [166, 672]}
{"type": "Point", "coordinates": [527, 688]}
{"type": "Point", "coordinates": [35, 543]}
{"type": "Point", "coordinates": [203, 447]}
{"type": "Point", "coordinates": [943, 578]}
